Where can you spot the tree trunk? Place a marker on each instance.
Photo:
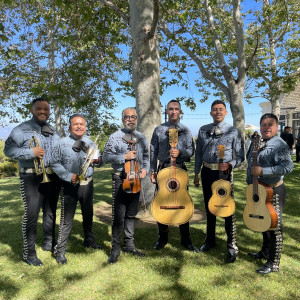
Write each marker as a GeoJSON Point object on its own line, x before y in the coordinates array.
{"type": "Point", "coordinates": [145, 74]}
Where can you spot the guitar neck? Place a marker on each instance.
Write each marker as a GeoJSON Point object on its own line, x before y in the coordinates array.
{"type": "Point", "coordinates": [255, 178]}
{"type": "Point", "coordinates": [221, 174]}
{"type": "Point", "coordinates": [173, 161]}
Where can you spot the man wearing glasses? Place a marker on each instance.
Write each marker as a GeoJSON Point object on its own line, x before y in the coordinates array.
{"type": "Point", "coordinates": [125, 203]}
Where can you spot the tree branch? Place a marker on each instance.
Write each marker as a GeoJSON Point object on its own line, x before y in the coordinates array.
{"type": "Point", "coordinates": [283, 32]}
{"type": "Point", "coordinates": [155, 18]}
{"type": "Point", "coordinates": [205, 73]}
{"type": "Point", "coordinates": [114, 7]}
{"type": "Point", "coordinates": [220, 55]}
{"type": "Point", "coordinates": [239, 30]}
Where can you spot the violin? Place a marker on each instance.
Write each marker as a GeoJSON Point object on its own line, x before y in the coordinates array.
{"type": "Point", "coordinates": [131, 182]}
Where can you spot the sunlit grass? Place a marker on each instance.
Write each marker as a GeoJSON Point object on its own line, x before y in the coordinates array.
{"type": "Point", "coordinates": [172, 273]}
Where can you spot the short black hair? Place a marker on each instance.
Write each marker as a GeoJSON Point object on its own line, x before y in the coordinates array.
{"type": "Point", "coordinates": [39, 99]}
{"type": "Point", "coordinates": [77, 115]}
{"type": "Point", "coordinates": [269, 116]}
{"type": "Point", "coordinates": [217, 102]}
{"type": "Point", "coordinates": [171, 101]}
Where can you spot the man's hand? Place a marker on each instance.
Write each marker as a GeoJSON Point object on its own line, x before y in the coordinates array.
{"type": "Point", "coordinates": [196, 180]}
{"type": "Point", "coordinates": [38, 152]}
{"type": "Point", "coordinates": [143, 173]}
{"type": "Point", "coordinates": [175, 153]}
{"type": "Point", "coordinates": [256, 171]}
{"type": "Point", "coordinates": [130, 155]}
{"type": "Point", "coordinates": [74, 178]}
{"type": "Point", "coordinates": [154, 177]}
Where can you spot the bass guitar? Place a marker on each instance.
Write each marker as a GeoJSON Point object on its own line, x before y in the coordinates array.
{"type": "Point", "coordinates": [131, 182]}
{"type": "Point", "coordinates": [221, 203]}
{"type": "Point", "coordinates": [259, 213]}
{"type": "Point", "coordinates": [172, 205]}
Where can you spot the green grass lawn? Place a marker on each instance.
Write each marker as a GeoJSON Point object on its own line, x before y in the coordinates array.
{"type": "Point", "coordinates": [172, 273]}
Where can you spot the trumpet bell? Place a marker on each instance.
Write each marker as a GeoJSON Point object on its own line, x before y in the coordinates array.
{"type": "Point", "coordinates": [45, 178]}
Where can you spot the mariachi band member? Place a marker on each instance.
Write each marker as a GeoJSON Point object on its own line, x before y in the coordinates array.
{"type": "Point", "coordinates": [160, 152]}
{"type": "Point", "coordinates": [31, 143]}
{"type": "Point", "coordinates": [125, 205]}
{"type": "Point", "coordinates": [274, 161]}
{"type": "Point", "coordinates": [210, 136]}
{"type": "Point", "coordinates": [69, 155]}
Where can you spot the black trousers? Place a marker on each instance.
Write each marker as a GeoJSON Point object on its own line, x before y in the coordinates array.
{"type": "Point", "coordinates": [124, 210]}
{"type": "Point", "coordinates": [273, 239]}
{"type": "Point", "coordinates": [208, 177]}
{"type": "Point", "coordinates": [297, 153]}
{"type": "Point", "coordinates": [184, 228]}
{"type": "Point", "coordinates": [34, 196]}
{"type": "Point", "coordinates": [71, 194]}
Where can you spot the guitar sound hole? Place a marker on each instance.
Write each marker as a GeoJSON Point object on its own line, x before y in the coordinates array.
{"type": "Point", "coordinates": [173, 185]}
{"type": "Point", "coordinates": [255, 198]}
{"type": "Point", "coordinates": [221, 192]}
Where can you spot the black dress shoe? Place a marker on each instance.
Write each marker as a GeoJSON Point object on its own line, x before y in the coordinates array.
{"type": "Point", "coordinates": [205, 248]}
{"type": "Point", "coordinates": [93, 246]}
{"type": "Point", "coordinates": [264, 270]}
{"type": "Point", "coordinates": [61, 259]}
{"type": "Point", "coordinates": [33, 261]}
{"type": "Point", "coordinates": [159, 246]}
{"type": "Point", "coordinates": [257, 255]}
{"type": "Point", "coordinates": [191, 248]}
{"type": "Point", "coordinates": [231, 258]}
{"type": "Point", "coordinates": [113, 258]}
{"type": "Point", "coordinates": [134, 252]}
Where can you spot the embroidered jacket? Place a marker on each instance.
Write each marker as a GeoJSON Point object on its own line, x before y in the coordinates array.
{"type": "Point", "coordinates": [160, 145]}
{"type": "Point", "coordinates": [17, 145]}
{"type": "Point", "coordinates": [208, 142]}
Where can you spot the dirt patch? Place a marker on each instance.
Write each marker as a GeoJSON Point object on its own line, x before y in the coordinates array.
{"type": "Point", "coordinates": [143, 219]}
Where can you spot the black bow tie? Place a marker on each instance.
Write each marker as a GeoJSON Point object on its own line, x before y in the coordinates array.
{"type": "Point", "coordinates": [46, 130]}
{"type": "Point", "coordinates": [80, 145]}
{"type": "Point", "coordinates": [216, 130]}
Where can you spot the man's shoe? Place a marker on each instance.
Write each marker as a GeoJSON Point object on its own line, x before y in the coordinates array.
{"type": "Point", "coordinates": [113, 258]}
{"type": "Point", "coordinates": [264, 270]}
{"type": "Point", "coordinates": [191, 248]}
{"type": "Point", "coordinates": [93, 246]}
{"type": "Point", "coordinates": [257, 255]}
{"type": "Point", "coordinates": [205, 248]}
{"type": "Point", "coordinates": [33, 261]}
{"type": "Point", "coordinates": [61, 259]}
{"type": "Point", "coordinates": [159, 246]}
{"type": "Point", "coordinates": [231, 258]}
{"type": "Point", "coordinates": [134, 252]}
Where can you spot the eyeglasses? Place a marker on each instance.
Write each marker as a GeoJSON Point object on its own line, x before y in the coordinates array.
{"type": "Point", "coordinates": [129, 117]}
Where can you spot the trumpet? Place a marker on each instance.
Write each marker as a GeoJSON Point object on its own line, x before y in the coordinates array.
{"type": "Point", "coordinates": [87, 162]}
{"type": "Point", "coordinates": [39, 162]}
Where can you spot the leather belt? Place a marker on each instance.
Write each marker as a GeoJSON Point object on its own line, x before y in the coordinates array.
{"type": "Point", "coordinates": [86, 182]}
{"type": "Point", "coordinates": [118, 173]}
{"type": "Point", "coordinates": [213, 167]}
{"type": "Point", "coordinates": [167, 163]}
{"type": "Point", "coordinates": [274, 185]}
{"type": "Point", "coordinates": [32, 170]}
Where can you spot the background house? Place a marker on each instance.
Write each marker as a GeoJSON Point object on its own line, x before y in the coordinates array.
{"type": "Point", "coordinates": [289, 109]}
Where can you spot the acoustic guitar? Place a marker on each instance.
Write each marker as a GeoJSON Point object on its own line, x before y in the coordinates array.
{"type": "Point", "coordinates": [259, 213]}
{"type": "Point", "coordinates": [221, 203]}
{"type": "Point", "coordinates": [172, 205]}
